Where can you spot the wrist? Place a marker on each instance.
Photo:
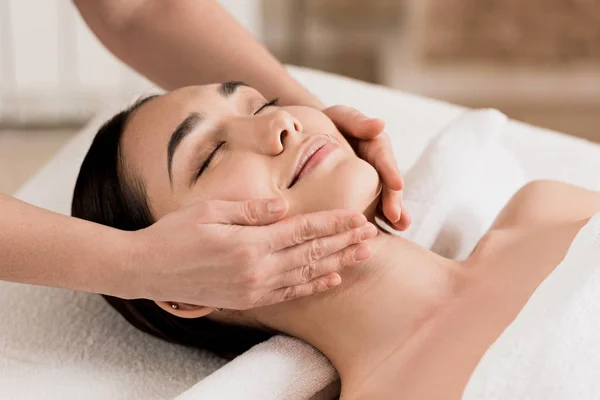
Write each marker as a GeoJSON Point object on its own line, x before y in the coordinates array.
{"type": "Point", "coordinates": [131, 255]}
{"type": "Point", "coordinates": [118, 273]}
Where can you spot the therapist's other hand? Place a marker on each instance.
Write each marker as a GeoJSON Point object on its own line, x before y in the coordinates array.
{"type": "Point", "coordinates": [372, 144]}
{"type": "Point", "coordinates": [216, 254]}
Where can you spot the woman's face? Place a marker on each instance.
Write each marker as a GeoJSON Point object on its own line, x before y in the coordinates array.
{"type": "Point", "coordinates": [254, 151]}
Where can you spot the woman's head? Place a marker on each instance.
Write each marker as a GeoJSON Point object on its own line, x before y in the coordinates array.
{"type": "Point", "coordinates": [222, 142]}
{"type": "Point", "coordinates": [254, 151]}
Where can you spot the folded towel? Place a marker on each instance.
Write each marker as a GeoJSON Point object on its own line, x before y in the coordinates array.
{"type": "Point", "coordinates": [551, 351]}
{"type": "Point", "coordinates": [288, 367]}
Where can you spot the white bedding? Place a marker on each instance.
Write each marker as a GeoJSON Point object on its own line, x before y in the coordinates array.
{"type": "Point", "coordinates": [59, 344]}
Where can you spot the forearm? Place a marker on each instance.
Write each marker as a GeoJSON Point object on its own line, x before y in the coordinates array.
{"type": "Point", "coordinates": [189, 42]}
{"type": "Point", "coordinates": [44, 248]}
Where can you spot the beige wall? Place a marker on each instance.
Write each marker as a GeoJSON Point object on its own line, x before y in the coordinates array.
{"type": "Point", "coordinates": [536, 60]}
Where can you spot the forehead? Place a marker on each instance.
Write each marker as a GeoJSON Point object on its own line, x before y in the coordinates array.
{"type": "Point", "coordinates": [153, 123]}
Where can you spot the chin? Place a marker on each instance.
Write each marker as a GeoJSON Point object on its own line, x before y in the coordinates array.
{"type": "Point", "coordinates": [353, 184]}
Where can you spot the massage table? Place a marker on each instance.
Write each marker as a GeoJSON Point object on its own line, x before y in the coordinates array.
{"type": "Point", "coordinates": [63, 344]}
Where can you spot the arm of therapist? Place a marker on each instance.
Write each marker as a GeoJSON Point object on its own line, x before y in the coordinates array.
{"type": "Point", "coordinates": [199, 255]}
{"type": "Point", "coordinates": [203, 254]}
{"type": "Point", "coordinates": [192, 42]}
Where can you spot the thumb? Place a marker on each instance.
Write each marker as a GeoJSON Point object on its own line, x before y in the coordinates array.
{"type": "Point", "coordinates": [354, 123]}
{"type": "Point", "coordinates": [249, 212]}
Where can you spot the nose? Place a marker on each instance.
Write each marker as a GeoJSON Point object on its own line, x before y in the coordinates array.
{"type": "Point", "coordinates": [278, 130]}
{"type": "Point", "coordinates": [269, 133]}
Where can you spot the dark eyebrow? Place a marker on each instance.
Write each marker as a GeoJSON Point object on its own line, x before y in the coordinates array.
{"type": "Point", "coordinates": [183, 129]}
{"type": "Point", "coordinates": [228, 88]}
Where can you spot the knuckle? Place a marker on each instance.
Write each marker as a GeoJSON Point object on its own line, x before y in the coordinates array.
{"type": "Point", "coordinates": [290, 293]}
{"type": "Point", "coordinates": [253, 277]}
{"type": "Point", "coordinates": [355, 236]}
{"type": "Point", "coordinates": [380, 151]}
{"type": "Point", "coordinates": [303, 230]}
{"type": "Point", "coordinates": [252, 211]}
{"type": "Point", "coordinates": [245, 254]}
{"type": "Point", "coordinates": [308, 272]}
{"type": "Point", "coordinates": [341, 224]}
{"type": "Point", "coordinates": [320, 286]}
{"type": "Point", "coordinates": [316, 251]}
{"type": "Point", "coordinates": [346, 257]}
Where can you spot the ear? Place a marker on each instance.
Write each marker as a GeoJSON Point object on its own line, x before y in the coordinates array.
{"type": "Point", "coordinates": [185, 310]}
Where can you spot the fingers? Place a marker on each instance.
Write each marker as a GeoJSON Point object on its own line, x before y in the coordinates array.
{"type": "Point", "coordinates": [378, 152]}
{"type": "Point", "coordinates": [405, 221]}
{"type": "Point", "coordinates": [393, 209]}
{"type": "Point", "coordinates": [353, 123]}
{"type": "Point", "coordinates": [250, 212]}
{"type": "Point", "coordinates": [302, 290]}
{"type": "Point", "coordinates": [373, 145]}
{"type": "Point", "coordinates": [305, 258]}
{"type": "Point", "coordinates": [391, 205]}
{"type": "Point", "coordinates": [303, 228]}
{"type": "Point", "coordinates": [324, 266]}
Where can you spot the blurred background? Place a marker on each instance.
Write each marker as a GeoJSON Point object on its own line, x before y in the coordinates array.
{"type": "Point", "coordinates": [537, 61]}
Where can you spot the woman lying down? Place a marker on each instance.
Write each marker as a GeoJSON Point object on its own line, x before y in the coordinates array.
{"type": "Point", "coordinates": [405, 321]}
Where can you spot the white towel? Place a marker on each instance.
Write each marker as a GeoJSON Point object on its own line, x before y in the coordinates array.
{"type": "Point", "coordinates": [552, 349]}
{"type": "Point", "coordinates": [279, 369]}
{"type": "Point", "coordinates": [460, 183]}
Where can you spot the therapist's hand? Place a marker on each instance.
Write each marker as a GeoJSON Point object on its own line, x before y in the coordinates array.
{"type": "Point", "coordinates": [215, 253]}
{"type": "Point", "coordinates": [372, 144]}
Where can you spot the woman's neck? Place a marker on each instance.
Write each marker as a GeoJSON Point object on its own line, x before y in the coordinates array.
{"type": "Point", "coordinates": [380, 304]}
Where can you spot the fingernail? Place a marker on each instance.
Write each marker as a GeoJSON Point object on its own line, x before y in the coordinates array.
{"type": "Point", "coordinates": [357, 221]}
{"type": "Point", "coordinates": [275, 205]}
{"type": "Point", "coordinates": [335, 280]}
{"type": "Point", "coordinates": [362, 253]}
{"type": "Point", "coordinates": [367, 232]}
{"type": "Point", "coordinates": [398, 213]}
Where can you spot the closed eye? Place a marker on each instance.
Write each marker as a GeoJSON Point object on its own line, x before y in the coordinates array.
{"type": "Point", "coordinates": [206, 163]}
{"type": "Point", "coordinates": [267, 104]}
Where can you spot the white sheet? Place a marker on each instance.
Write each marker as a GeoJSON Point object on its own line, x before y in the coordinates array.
{"type": "Point", "coordinates": [59, 344]}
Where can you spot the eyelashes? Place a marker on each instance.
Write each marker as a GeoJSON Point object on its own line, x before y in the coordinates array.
{"type": "Point", "coordinates": [267, 104]}
{"type": "Point", "coordinates": [206, 163]}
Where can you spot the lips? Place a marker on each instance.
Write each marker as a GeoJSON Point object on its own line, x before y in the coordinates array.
{"type": "Point", "coordinates": [305, 160]}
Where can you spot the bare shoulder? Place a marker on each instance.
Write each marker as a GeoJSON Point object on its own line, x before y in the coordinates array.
{"type": "Point", "coordinates": [546, 202]}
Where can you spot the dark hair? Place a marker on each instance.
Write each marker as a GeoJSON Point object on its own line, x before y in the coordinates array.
{"type": "Point", "coordinates": [105, 193]}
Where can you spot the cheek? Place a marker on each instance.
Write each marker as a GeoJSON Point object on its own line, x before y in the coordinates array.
{"type": "Point", "coordinates": [352, 184]}
{"type": "Point", "coordinates": [236, 181]}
